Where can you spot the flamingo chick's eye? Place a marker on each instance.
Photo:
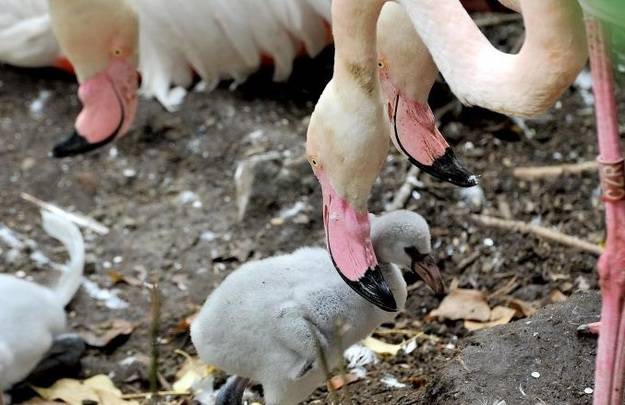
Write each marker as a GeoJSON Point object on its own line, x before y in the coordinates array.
{"type": "Point", "coordinates": [117, 52]}
{"type": "Point", "coordinates": [381, 64]}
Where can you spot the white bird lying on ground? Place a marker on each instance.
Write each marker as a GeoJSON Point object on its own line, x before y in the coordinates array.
{"type": "Point", "coordinates": [270, 320]}
{"type": "Point", "coordinates": [33, 316]}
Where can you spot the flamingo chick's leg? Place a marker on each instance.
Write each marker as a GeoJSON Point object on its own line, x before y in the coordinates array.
{"type": "Point", "coordinates": [610, 366]}
{"type": "Point", "coordinates": [231, 393]}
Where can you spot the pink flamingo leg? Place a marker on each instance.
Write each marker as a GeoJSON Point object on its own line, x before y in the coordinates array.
{"type": "Point", "coordinates": [610, 366]}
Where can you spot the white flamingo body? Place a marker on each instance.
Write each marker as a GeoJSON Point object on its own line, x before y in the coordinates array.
{"type": "Point", "coordinates": [26, 37]}
{"type": "Point", "coordinates": [31, 308]}
{"type": "Point", "coordinates": [219, 39]}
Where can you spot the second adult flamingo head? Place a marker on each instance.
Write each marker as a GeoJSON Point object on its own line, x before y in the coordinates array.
{"type": "Point", "coordinates": [100, 38]}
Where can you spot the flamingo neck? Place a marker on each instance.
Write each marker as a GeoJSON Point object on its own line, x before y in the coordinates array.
{"type": "Point", "coordinates": [354, 30]}
{"type": "Point", "coordinates": [523, 84]}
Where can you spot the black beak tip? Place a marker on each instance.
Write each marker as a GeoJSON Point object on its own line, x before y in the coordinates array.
{"type": "Point", "coordinates": [76, 144]}
{"type": "Point", "coordinates": [449, 168]}
{"type": "Point", "coordinates": [373, 287]}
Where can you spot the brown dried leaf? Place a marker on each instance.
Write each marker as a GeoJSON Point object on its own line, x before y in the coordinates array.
{"type": "Point", "coordinates": [381, 347]}
{"type": "Point", "coordinates": [463, 303]}
{"type": "Point", "coordinates": [500, 315]}
{"type": "Point", "coordinates": [105, 333]}
{"type": "Point", "coordinates": [97, 389]}
{"type": "Point", "coordinates": [556, 296]}
{"type": "Point", "coordinates": [116, 277]}
{"type": "Point", "coordinates": [192, 371]}
{"type": "Point", "coordinates": [184, 325]}
{"type": "Point", "coordinates": [524, 309]}
{"type": "Point", "coordinates": [341, 380]}
{"type": "Point", "coordinates": [39, 401]}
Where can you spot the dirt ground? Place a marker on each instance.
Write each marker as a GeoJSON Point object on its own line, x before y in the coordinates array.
{"type": "Point", "coordinates": [167, 193]}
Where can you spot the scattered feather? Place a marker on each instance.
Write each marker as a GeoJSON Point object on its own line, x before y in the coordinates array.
{"type": "Point", "coordinates": [10, 238]}
{"type": "Point", "coordinates": [359, 355]}
{"type": "Point", "coordinates": [38, 104]}
{"type": "Point", "coordinates": [392, 382]}
{"type": "Point", "coordinates": [110, 298]}
{"type": "Point", "coordinates": [78, 219]}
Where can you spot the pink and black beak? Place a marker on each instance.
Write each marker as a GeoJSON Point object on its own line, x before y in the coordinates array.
{"type": "Point", "coordinates": [109, 101]}
{"type": "Point", "coordinates": [350, 247]}
{"type": "Point", "coordinates": [425, 266]}
{"type": "Point", "coordinates": [415, 134]}
{"type": "Point", "coordinates": [77, 144]}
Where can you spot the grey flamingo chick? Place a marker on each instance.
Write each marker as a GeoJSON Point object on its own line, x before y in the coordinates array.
{"type": "Point", "coordinates": [270, 319]}
{"type": "Point", "coordinates": [32, 316]}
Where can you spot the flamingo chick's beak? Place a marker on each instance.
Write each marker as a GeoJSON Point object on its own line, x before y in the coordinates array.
{"type": "Point", "coordinates": [427, 269]}
{"type": "Point", "coordinates": [349, 244]}
{"type": "Point", "coordinates": [415, 134]}
{"type": "Point", "coordinates": [109, 101]}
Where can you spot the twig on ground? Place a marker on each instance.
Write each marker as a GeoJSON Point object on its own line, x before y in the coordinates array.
{"type": "Point", "coordinates": [505, 289]}
{"type": "Point", "coordinates": [539, 172]}
{"type": "Point", "coordinates": [406, 332]}
{"type": "Point", "coordinates": [78, 219]}
{"type": "Point", "coordinates": [528, 132]}
{"type": "Point", "coordinates": [149, 395]}
{"type": "Point", "coordinates": [540, 231]}
{"type": "Point", "coordinates": [403, 193]}
{"type": "Point", "coordinates": [155, 311]}
{"type": "Point", "coordinates": [467, 261]}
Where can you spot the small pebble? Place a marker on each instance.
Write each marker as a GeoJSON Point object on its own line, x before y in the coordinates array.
{"type": "Point", "coordinates": [129, 172]}
{"type": "Point", "coordinates": [489, 242]}
{"type": "Point", "coordinates": [535, 374]}
{"type": "Point", "coordinates": [588, 390]}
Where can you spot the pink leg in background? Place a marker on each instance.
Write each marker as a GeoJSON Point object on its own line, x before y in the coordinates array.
{"type": "Point", "coordinates": [610, 366]}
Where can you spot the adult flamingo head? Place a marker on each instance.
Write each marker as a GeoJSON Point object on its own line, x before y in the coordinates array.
{"type": "Point", "coordinates": [407, 73]}
{"type": "Point", "coordinates": [347, 143]}
{"type": "Point", "coordinates": [100, 39]}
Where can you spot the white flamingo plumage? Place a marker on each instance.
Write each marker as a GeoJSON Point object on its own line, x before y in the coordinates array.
{"type": "Point", "coordinates": [217, 39]}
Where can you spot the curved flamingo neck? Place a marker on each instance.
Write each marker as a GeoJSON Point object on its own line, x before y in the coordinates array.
{"type": "Point", "coordinates": [354, 29]}
{"type": "Point", "coordinates": [523, 84]}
